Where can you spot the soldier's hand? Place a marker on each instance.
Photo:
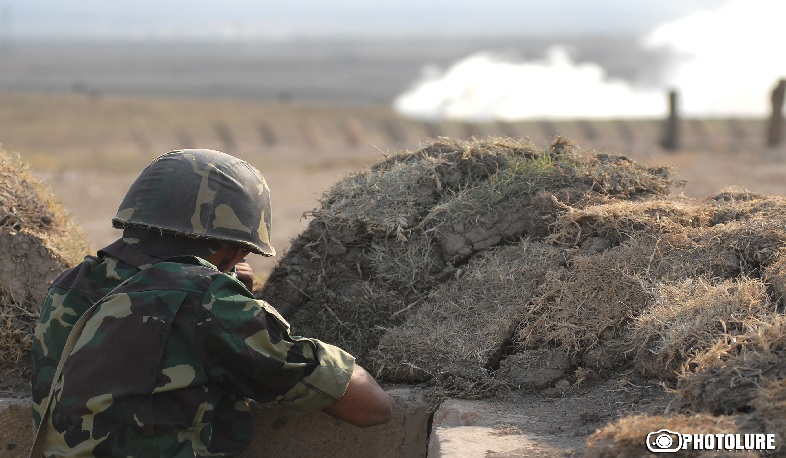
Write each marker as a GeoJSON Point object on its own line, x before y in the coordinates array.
{"type": "Point", "coordinates": [245, 274]}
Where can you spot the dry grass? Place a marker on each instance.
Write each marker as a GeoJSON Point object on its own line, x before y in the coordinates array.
{"type": "Point", "coordinates": [390, 199]}
{"type": "Point", "coordinates": [21, 205]}
{"type": "Point", "coordinates": [726, 377]}
{"type": "Point", "coordinates": [38, 240]}
{"type": "Point", "coordinates": [769, 415]}
{"type": "Point", "coordinates": [637, 276]}
{"type": "Point", "coordinates": [463, 324]}
{"type": "Point", "coordinates": [28, 205]}
{"type": "Point", "coordinates": [627, 437]}
{"type": "Point", "coordinates": [17, 324]}
{"type": "Point", "coordinates": [688, 317]}
{"type": "Point", "coordinates": [585, 307]}
{"type": "Point", "coordinates": [658, 281]}
{"type": "Point", "coordinates": [618, 221]}
{"type": "Point", "coordinates": [410, 223]}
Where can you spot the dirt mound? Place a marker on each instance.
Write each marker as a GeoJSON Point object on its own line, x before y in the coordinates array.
{"type": "Point", "coordinates": [486, 264]}
{"type": "Point", "coordinates": [37, 242]}
{"type": "Point", "coordinates": [391, 252]}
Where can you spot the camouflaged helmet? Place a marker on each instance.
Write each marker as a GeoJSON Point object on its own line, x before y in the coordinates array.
{"type": "Point", "coordinates": [201, 193]}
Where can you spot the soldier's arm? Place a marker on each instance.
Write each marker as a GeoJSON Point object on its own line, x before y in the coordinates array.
{"type": "Point", "coordinates": [364, 402]}
{"type": "Point", "coordinates": [247, 348]}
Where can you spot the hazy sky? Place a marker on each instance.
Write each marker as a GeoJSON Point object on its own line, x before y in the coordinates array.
{"type": "Point", "coordinates": [717, 53]}
{"type": "Point", "coordinates": [234, 19]}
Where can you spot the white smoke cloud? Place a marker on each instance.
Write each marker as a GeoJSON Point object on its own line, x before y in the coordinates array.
{"type": "Point", "coordinates": [729, 62]}
{"type": "Point", "coordinates": [485, 86]}
{"type": "Point", "coordinates": [733, 56]}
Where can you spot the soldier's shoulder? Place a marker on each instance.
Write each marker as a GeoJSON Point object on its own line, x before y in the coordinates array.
{"type": "Point", "coordinates": [71, 275]}
{"type": "Point", "coordinates": [186, 266]}
{"type": "Point", "coordinates": [186, 273]}
{"type": "Point", "coordinates": [92, 276]}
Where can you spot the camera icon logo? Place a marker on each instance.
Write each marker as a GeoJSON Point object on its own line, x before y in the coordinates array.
{"type": "Point", "coordinates": [664, 440]}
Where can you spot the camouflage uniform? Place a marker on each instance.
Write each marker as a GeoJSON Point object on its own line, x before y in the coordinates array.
{"type": "Point", "coordinates": [166, 361]}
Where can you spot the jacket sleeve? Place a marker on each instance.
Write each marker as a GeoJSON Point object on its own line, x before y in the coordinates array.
{"type": "Point", "coordinates": [247, 348]}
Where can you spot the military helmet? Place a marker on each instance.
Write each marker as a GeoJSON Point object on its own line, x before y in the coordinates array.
{"type": "Point", "coordinates": [201, 193]}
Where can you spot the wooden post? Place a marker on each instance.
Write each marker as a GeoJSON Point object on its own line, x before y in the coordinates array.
{"type": "Point", "coordinates": [396, 133]}
{"type": "Point", "coordinates": [353, 132]}
{"type": "Point", "coordinates": [775, 131]}
{"type": "Point", "coordinates": [670, 140]}
{"type": "Point", "coordinates": [267, 134]}
{"type": "Point", "coordinates": [224, 134]}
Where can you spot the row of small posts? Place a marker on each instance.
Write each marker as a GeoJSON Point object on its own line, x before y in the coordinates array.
{"type": "Point", "coordinates": [671, 127]}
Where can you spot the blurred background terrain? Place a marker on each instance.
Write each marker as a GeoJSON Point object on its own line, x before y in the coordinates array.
{"type": "Point", "coordinates": [90, 92]}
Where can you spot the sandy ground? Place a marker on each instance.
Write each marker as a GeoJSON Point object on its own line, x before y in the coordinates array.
{"type": "Point", "coordinates": [551, 423]}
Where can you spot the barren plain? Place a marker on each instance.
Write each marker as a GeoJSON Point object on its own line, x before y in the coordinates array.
{"type": "Point", "coordinates": [89, 148]}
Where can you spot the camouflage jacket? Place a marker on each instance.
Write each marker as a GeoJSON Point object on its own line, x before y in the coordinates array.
{"type": "Point", "coordinates": [165, 362]}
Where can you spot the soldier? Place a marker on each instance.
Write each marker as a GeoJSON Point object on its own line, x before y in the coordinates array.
{"type": "Point", "coordinates": [152, 347]}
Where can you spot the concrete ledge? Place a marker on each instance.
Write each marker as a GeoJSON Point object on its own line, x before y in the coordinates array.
{"type": "Point", "coordinates": [16, 427]}
{"type": "Point", "coordinates": [483, 428]}
{"type": "Point", "coordinates": [278, 432]}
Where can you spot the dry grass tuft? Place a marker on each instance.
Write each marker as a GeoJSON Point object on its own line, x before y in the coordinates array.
{"type": "Point", "coordinates": [17, 325]}
{"type": "Point", "coordinates": [726, 377]}
{"type": "Point", "coordinates": [774, 275]}
{"type": "Point", "coordinates": [20, 202]}
{"type": "Point", "coordinates": [583, 309]}
{"type": "Point", "coordinates": [688, 317]}
{"type": "Point", "coordinates": [37, 242]}
{"type": "Point", "coordinates": [617, 222]}
{"type": "Point", "coordinates": [463, 325]}
{"type": "Point", "coordinates": [27, 205]}
{"type": "Point", "coordinates": [769, 415]}
{"type": "Point", "coordinates": [390, 198]}
{"type": "Point", "coordinates": [627, 437]}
